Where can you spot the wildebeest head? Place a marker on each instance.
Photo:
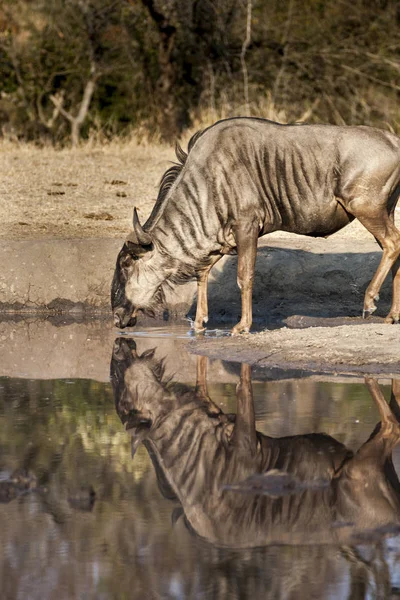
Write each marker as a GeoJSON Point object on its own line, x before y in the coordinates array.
{"type": "Point", "coordinates": [133, 288]}
{"type": "Point", "coordinates": [139, 391]}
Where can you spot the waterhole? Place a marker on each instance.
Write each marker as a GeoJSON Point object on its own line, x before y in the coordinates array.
{"type": "Point", "coordinates": [118, 489]}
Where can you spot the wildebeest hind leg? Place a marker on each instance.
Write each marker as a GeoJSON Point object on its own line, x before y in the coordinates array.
{"type": "Point", "coordinates": [394, 314]}
{"type": "Point", "coordinates": [364, 468]}
{"type": "Point", "coordinates": [388, 237]}
{"type": "Point", "coordinates": [395, 399]}
{"type": "Point", "coordinates": [246, 235]}
{"type": "Point", "coordinates": [389, 434]}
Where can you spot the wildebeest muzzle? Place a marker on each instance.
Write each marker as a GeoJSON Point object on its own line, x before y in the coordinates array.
{"type": "Point", "coordinates": [123, 318]}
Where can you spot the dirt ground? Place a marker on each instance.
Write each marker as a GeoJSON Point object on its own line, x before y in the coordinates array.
{"type": "Point", "coordinates": [358, 348]}
{"type": "Point", "coordinates": [82, 193]}
{"type": "Point", "coordinates": [90, 192]}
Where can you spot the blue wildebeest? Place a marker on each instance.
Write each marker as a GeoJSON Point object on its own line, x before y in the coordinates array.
{"type": "Point", "coordinates": [244, 178]}
{"type": "Point", "coordinates": [224, 472]}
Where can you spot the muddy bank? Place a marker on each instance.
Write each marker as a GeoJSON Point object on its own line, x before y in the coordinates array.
{"type": "Point", "coordinates": [42, 349]}
{"type": "Point", "coordinates": [58, 349]}
{"type": "Point", "coordinates": [65, 277]}
{"type": "Point", "coordinates": [294, 275]}
{"type": "Point", "coordinates": [39, 349]}
{"type": "Point", "coordinates": [347, 349]}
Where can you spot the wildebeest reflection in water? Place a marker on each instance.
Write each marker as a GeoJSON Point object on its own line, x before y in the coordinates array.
{"type": "Point", "coordinates": [328, 495]}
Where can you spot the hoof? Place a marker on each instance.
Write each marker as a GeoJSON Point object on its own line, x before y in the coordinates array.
{"type": "Point", "coordinates": [198, 330]}
{"type": "Point", "coordinates": [392, 319]}
{"type": "Point", "coordinates": [238, 330]}
{"type": "Point", "coordinates": [367, 312]}
{"type": "Point", "coordinates": [198, 326]}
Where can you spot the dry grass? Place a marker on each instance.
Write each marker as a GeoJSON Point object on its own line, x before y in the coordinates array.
{"type": "Point", "coordinates": [49, 193]}
{"type": "Point", "coordinates": [89, 191]}
{"type": "Point", "coordinates": [77, 193]}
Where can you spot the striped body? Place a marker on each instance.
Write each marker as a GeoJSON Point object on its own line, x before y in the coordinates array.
{"type": "Point", "coordinates": [248, 177]}
{"type": "Point", "coordinates": [292, 178]}
{"type": "Point", "coordinates": [197, 451]}
{"type": "Point", "coordinates": [197, 460]}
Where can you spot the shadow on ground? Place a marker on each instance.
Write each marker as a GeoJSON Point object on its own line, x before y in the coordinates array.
{"type": "Point", "coordinates": [296, 282]}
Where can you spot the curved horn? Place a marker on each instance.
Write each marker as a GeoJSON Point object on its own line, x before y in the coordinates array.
{"type": "Point", "coordinates": [143, 238]}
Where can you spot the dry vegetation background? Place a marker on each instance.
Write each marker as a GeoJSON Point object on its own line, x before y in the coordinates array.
{"type": "Point", "coordinates": [73, 69]}
{"type": "Point", "coordinates": [112, 84]}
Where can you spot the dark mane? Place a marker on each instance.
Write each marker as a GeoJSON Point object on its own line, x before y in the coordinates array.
{"type": "Point", "coordinates": [157, 366]}
{"type": "Point", "coordinates": [170, 176]}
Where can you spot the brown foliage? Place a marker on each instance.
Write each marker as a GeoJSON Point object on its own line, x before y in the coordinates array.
{"type": "Point", "coordinates": [69, 68]}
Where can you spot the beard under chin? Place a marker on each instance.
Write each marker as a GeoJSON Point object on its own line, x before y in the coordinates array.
{"type": "Point", "coordinates": [156, 306]}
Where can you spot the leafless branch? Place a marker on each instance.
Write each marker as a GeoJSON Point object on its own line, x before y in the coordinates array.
{"type": "Point", "coordinates": [245, 45]}
{"type": "Point", "coordinates": [284, 42]}
{"type": "Point", "coordinates": [77, 120]}
{"type": "Point", "coordinates": [377, 58]}
{"type": "Point", "coordinates": [212, 90]}
{"type": "Point", "coordinates": [392, 86]}
{"type": "Point", "coordinates": [307, 114]}
{"type": "Point", "coordinates": [59, 100]}
{"type": "Point", "coordinates": [338, 117]}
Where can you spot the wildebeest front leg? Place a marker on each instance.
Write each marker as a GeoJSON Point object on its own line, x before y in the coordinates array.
{"type": "Point", "coordinates": [394, 314]}
{"type": "Point", "coordinates": [201, 387]}
{"type": "Point", "coordinates": [201, 377]}
{"type": "Point", "coordinates": [244, 434]}
{"type": "Point", "coordinates": [202, 301]}
{"type": "Point", "coordinates": [246, 235]}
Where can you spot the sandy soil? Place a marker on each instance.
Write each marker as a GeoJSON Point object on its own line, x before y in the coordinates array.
{"type": "Point", "coordinates": [358, 348]}
{"type": "Point", "coordinates": [90, 192]}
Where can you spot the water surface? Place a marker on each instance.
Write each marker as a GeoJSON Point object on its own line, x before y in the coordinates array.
{"type": "Point", "coordinates": [85, 520]}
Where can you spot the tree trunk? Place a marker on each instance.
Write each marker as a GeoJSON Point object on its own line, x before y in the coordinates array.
{"type": "Point", "coordinates": [172, 116]}
{"type": "Point", "coordinates": [77, 121]}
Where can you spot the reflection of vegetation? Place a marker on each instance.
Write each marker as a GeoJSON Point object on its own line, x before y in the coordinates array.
{"type": "Point", "coordinates": [68, 434]}
{"type": "Point", "coordinates": [45, 422]}
{"type": "Point", "coordinates": [42, 421]}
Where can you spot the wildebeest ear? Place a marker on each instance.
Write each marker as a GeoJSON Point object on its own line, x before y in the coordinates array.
{"type": "Point", "coordinates": [176, 514]}
{"type": "Point", "coordinates": [142, 236]}
{"type": "Point", "coordinates": [124, 349]}
{"type": "Point", "coordinates": [148, 353]}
